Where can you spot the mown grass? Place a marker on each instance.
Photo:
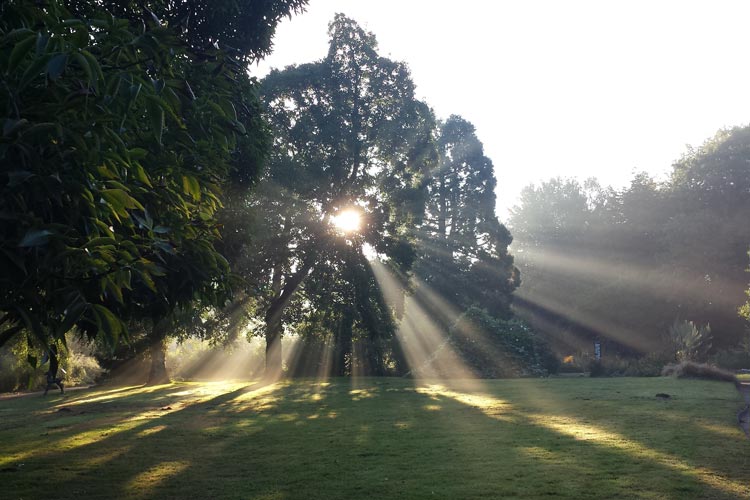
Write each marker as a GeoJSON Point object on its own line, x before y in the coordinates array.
{"type": "Point", "coordinates": [378, 438]}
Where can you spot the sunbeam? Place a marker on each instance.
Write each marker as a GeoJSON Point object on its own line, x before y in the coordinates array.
{"type": "Point", "coordinates": [422, 332]}
{"type": "Point", "coordinates": [601, 326]}
{"type": "Point", "coordinates": [638, 278]}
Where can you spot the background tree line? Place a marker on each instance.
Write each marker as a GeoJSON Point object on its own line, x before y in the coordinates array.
{"type": "Point", "coordinates": [623, 265]}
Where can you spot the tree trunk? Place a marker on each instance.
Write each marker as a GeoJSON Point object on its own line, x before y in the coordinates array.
{"type": "Point", "coordinates": [274, 326]}
{"type": "Point", "coordinates": [342, 345]}
{"type": "Point", "coordinates": [158, 374]}
{"type": "Point", "coordinates": [273, 348]}
{"type": "Point", "coordinates": [443, 209]}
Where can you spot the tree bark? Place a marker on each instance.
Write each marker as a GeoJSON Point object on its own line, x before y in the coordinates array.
{"type": "Point", "coordinates": [158, 349]}
{"type": "Point", "coordinates": [274, 365]}
{"type": "Point", "coordinates": [274, 326]}
{"type": "Point", "coordinates": [342, 345]}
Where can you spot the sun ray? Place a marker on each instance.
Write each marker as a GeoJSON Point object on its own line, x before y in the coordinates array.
{"type": "Point", "coordinates": [638, 278]}
{"type": "Point", "coordinates": [421, 332]}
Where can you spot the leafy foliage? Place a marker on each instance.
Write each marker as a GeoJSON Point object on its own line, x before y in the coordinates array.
{"type": "Point", "coordinates": [115, 146]}
{"type": "Point", "coordinates": [496, 348]}
{"type": "Point", "coordinates": [244, 28]}
{"type": "Point", "coordinates": [79, 360]}
{"type": "Point", "coordinates": [348, 134]}
{"type": "Point", "coordinates": [463, 247]}
{"type": "Point", "coordinates": [621, 265]}
{"type": "Point", "coordinates": [690, 342]}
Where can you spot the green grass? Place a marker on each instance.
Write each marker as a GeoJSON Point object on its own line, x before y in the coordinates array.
{"type": "Point", "coordinates": [378, 438]}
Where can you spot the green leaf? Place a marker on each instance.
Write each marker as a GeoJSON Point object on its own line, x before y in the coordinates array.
{"type": "Point", "coordinates": [120, 198]}
{"type": "Point", "coordinates": [39, 128]}
{"type": "Point", "coordinates": [84, 64]}
{"type": "Point", "coordinates": [18, 177]}
{"type": "Point", "coordinates": [73, 23]}
{"type": "Point", "coordinates": [108, 323]}
{"type": "Point", "coordinates": [93, 64]}
{"type": "Point", "coordinates": [143, 222]}
{"type": "Point", "coordinates": [165, 247]}
{"type": "Point", "coordinates": [191, 186]}
{"type": "Point", "coordinates": [141, 175]}
{"type": "Point", "coordinates": [11, 126]}
{"type": "Point", "coordinates": [17, 34]}
{"type": "Point", "coordinates": [101, 241]}
{"type": "Point", "coordinates": [138, 153]}
{"type": "Point", "coordinates": [73, 313]}
{"type": "Point", "coordinates": [113, 289]}
{"type": "Point", "coordinates": [42, 41]}
{"type": "Point", "coordinates": [35, 238]}
{"type": "Point", "coordinates": [33, 71]}
{"type": "Point", "coordinates": [56, 66]}
{"type": "Point", "coordinates": [156, 115]}
{"type": "Point", "coordinates": [135, 89]}
{"type": "Point", "coordinates": [19, 51]}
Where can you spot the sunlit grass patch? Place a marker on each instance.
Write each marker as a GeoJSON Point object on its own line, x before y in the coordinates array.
{"type": "Point", "coordinates": [379, 438]}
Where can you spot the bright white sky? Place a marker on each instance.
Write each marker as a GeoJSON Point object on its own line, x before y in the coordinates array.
{"type": "Point", "coordinates": [573, 88]}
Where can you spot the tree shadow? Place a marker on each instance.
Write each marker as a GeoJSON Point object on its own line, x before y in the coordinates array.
{"type": "Point", "coordinates": [380, 439]}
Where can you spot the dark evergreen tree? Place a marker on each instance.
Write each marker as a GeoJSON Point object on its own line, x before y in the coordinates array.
{"type": "Point", "coordinates": [463, 247]}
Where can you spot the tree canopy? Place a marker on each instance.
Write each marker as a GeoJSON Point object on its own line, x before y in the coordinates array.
{"type": "Point", "coordinates": [349, 135]}
{"type": "Point", "coordinates": [118, 136]}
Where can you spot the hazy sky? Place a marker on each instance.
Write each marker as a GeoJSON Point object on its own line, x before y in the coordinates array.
{"type": "Point", "coordinates": [569, 88]}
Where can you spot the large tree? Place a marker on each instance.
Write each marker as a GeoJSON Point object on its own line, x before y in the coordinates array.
{"type": "Point", "coordinates": [463, 255]}
{"type": "Point", "coordinates": [118, 136]}
{"type": "Point", "coordinates": [349, 137]}
{"type": "Point", "coordinates": [464, 247]}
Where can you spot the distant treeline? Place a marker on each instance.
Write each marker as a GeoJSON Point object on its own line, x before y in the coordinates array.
{"type": "Point", "coordinates": [623, 265]}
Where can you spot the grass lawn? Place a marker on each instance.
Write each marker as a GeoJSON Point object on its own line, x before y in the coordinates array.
{"type": "Point", "coordinates": [378, 438]}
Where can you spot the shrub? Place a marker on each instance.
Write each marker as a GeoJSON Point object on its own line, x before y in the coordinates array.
{"type": "Point", "coordinates": [689, 341]}
{"type": "Point", "coordinates": [500, 348]}
{"type": "Point", "coordinates": [691, 369]}
{"type": "Point", "coordinates": [650, 365]}
{"type": "Point", "coordinates": [731, 359]}
{"type": "Point", "coordinates": [80, 364]}
{"type": "Point", "coordinates": [15, 371]}
{"type": "Point", "coordinates": [78, 361]}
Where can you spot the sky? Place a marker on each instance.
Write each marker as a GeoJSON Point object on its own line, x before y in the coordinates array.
{"type": "Point", "coordinates": [573, 89]}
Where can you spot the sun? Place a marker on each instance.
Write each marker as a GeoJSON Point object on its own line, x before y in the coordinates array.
{"type": "Point", "coordinates": [347, 221]}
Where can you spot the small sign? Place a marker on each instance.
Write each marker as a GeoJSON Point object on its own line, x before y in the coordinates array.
{"type": "Point", "coordinates": [598, 351]}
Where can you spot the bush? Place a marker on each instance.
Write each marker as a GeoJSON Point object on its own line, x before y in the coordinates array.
{"type": "Point", "coordinates": [80, 364]}
{"type": "Point", "coordinates": [689, 341]}
{"type": "Point", "coordinates": [78, 361]}
{"type": "Point", "coordinates": [15, 371]}
{"type": "Point", "coordinates": [691, 369]}
{"type": "Point", "coordinates": [495, 348]}
{"type": "Point", "coordinates": [650, 365]}
{"type": "Point", "coordinates": [731, 359]}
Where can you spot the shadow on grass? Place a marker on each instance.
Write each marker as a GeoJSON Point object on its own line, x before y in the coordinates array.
{"type": "Point", "coordinates": [380, 439]}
